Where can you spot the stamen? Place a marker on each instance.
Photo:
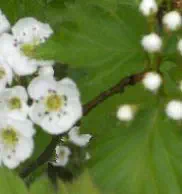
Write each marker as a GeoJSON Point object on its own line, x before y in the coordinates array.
{"type": "Point", "coordinates": [15, 103]}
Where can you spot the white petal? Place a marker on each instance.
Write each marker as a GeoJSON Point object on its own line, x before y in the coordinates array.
{"type": "Point", "coordinates": [19, 114]}
{"type": "Point", "coordinates": [9, 159]}
{"type": "Point", "coordinates": [46, 71]}
{"type": "Point", "coordinates": [36, 112]}
{"type": "Point", "coordinates": [68, 87]}
{"type": "Point", "coordinates": [40, 86]}
{"type": "Point", "coordinates": [24, 148]}
{"type": "Point", "coordinates": [2, 85]}
{"type": "Point", "coordinates": [22, 65]}
{"type": "Point", "coordinates": [76, 138]}
{"type": "Point", "coordinates": [11, 163]}
{"type": "Point", "coordinates": [4, 23]}
{"type": "Point", "coordinates": [24, 127]}
{"type": "Point", "coordinates": [51, 127]}
{"type": "Point", "coordinates": [28, 30]}
{"type": "Point", "coordinates": [8, 71]}
{"type": "Point", "coordinates": [20, 91]}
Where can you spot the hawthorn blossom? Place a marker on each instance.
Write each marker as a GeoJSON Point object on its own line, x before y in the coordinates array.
{"type": "Point", "coordinates": [13, 102]}
{"type": "Point", "coordinates": [30, 30]}
{"type": "Point", "coordinates": [56, 107]}
{"type": "Point", "coordinates": [77, 139]}
{"type": "Point", "coordinates": [28, 33]}
{"type": "Point", "coordinates": [12, 55]}
{"type": "Point", "coordinates": [6, 74]}
{"type": "Point", "coordinates": [16, 141]}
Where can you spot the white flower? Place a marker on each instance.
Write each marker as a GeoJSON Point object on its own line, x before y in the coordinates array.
{"type": "Point", "coordinates": [12, 55]}
{"type": "Point", "coordinates": [125, 113]}
{"type": "Point", "coordinates": [77, 139]}
{"type": "Point", "coordinates": [62, 156]}
{"type": "Point", "coordinates": [6, 74]}
{"type": "Point", "coordinates": [16, 141]}
{"type": "Point", "coordinates": [56, 106]}
{"type": "Point", "coordinates": [172, 20]}
{"type": "Point", "coordinates": [30, 30]}
{"type": "Point", "coordinates": [13, 102]}
{"type": "Point", "coordinates": [174, 110]}
{"type": "Point", "coordinates": [151, 43]}
{"type": "Point", "coordinates": [148, 7]}
{"type": "Point", "coordinates": [152, 81]}
{"type": "Point", "coordinates": [179, 46]}
{"type": "Point", "coordinates": [4, 23]}
{"type": "Point", "coordinates": [47, 70]}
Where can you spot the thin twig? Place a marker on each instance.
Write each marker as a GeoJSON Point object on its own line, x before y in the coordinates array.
{"type": "Point", "coordinates": [118, 88]}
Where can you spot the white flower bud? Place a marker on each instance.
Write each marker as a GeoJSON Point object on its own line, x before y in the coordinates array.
{"type": "Point", "coordinates": [151, 43]}
{"type": "Point", "coordinates": [152, 81]}
{"type": "Point", "coordinates": [148, 7]}
{"type": "Point", "coordinates": [125, 113]}
{"type": "Point", "coordinates": [179, 46]}
{"type": "Point", "coordinates": [174, 109]}
{"type": "Point", "coordinates": [172, 20]}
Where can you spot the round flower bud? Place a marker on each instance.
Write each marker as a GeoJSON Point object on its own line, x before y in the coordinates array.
{"type": "Point", "coordinates": [174, 110]}
{"type": "Point", "coordinates": [152, 81]}
{"type": "Point", "coordinates": [125, 113]}
{"type": "Point", "coordinates": [172, 20]}
{"type": "Point", "coordinates": [148, 7]}
{"type": "Point", "coordinates": [151, 43]}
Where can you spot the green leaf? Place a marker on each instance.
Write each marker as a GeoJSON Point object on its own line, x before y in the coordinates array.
{"type": "Point", "coordinates": [143, 156]}
{"type": "Point", "coordinates": [40, 9]}
{"type": "Point", "coordinates": [103, 45]}
{"type": "Point", "coordinates": [10, 183]}
{"type": "Point", "coordinates": [42, 186]}
{"type": "Point", "coordinates": [94, 37]}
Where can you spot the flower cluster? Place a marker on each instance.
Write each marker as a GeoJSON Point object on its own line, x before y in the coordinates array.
{"type": "Point", "coordinates": [152, 44]}
{"type": "Point", "coordinates": [53, 105]}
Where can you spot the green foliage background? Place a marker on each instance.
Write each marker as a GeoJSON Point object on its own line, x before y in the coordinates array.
{"type": "Point", "coordinates": [99, 41]}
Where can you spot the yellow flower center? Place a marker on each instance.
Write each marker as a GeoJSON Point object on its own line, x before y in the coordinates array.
{"type": "Point", "coordinates": [54, 102]}
{"type": "Point", "coordinates": [9, 136]}
{"type": "Point", "coordinates": [2, 73]}
{"type": "Point", "coordinates": [28, 49]}
{"type": "Point", "coordinates": [15, 103]}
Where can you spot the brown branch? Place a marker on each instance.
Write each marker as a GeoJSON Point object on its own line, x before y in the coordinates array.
{"type": "Point", "coordinates": [118, 88]}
